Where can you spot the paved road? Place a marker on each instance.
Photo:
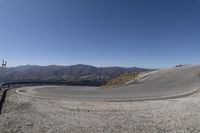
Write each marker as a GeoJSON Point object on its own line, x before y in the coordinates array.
{"type": "Point", "coordinates": [161, 84]}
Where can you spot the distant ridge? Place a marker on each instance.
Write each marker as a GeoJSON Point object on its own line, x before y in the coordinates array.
{"type": "Point", "coordinates": [79, 73]}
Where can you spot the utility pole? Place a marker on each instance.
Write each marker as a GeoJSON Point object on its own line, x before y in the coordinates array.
{"type": "Point", "coordinates": [3, 67]}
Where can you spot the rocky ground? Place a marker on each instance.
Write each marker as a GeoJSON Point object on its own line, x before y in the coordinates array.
{"type": "Point", "coordinates": [23, 114]}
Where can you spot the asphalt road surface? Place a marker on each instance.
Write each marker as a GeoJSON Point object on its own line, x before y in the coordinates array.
{"type": "Point", "coordinates": [165, 83]}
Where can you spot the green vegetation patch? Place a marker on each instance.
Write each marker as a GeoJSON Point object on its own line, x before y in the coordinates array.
{"type": "Point", "coordinates": [122, 79]}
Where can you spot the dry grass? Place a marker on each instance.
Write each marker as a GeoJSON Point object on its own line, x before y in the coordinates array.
{"type": "Point", "coordinates": [121, 80]}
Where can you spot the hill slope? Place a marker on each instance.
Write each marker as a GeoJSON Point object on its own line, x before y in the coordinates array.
{"type": "Point", "coordinates": [121, 79]}
{"type": "Point", "coordinates": [74, 73]}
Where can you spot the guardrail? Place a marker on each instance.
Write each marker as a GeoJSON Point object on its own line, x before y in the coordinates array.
{"type": "Point", "coordinates": [40, 83]}
{"type": "Point", "coordinates": [18, 84]}
{"type": "Point", "coordinates": [4, 87]}
{"type": "Point", "coordinates": [9, 85]}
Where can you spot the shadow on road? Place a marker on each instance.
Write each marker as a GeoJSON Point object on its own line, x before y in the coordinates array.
{"type": "Point", "coordinates": [3, 100]}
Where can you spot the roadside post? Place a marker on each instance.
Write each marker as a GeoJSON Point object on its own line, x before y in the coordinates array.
{"type": "Point", "coordinates": [3, 67]}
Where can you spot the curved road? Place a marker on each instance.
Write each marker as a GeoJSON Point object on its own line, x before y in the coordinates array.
{"type": "Point", "coordinates": [165, 83]}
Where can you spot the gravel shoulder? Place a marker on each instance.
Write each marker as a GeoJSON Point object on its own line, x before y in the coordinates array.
{"type": "Point", "coordinates": [23, 114]}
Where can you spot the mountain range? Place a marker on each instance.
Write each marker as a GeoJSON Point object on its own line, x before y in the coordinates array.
{"type": "Point", "coordinates": [81, 74]}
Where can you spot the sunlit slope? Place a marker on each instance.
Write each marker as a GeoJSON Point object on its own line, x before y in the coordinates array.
{"type": "Point", "coordinates": [121, 80]}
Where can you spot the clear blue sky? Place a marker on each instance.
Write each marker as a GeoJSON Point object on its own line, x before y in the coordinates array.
{"type": "Point", "coordinates": [143, 33]}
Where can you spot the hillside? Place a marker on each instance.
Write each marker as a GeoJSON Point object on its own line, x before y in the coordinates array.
{"type": "Point", "coordinates": [75, 73]}
{"type": "Point", "coordinates": [121, 79]}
